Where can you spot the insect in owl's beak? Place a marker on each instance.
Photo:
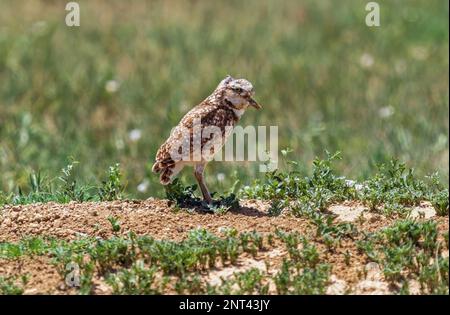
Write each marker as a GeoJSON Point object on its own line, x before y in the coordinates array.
{"type": "Point", "coordinates": [254, 103]}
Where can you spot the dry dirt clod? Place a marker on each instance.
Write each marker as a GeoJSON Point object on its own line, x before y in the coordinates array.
{"type": "Point", "coordinates": [347, 213]}
{"type": "Point", "coordinates": [337, 286]}
{"type": "Point", "coordinates": [425, 211]}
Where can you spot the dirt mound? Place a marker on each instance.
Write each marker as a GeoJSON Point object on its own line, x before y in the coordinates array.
{"type": "Point", "coordinates": [148, 217]}
{"type": "Point", "coordinates": [159, 219]}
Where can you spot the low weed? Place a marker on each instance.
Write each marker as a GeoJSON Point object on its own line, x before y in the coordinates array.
{"type": "Point", "coordinates": [391, 191]}
{"type": "Point", "coordinates": [112, 188]}
{"type": "Point", "coordinates": [395, 187]}
{"type": "Point", "coordinates": [11, 286]}
{"type": "Point", "coordinates": [303, 273]}
{"type": "Point", "coordinates": [115, 224]}
{"type": "Point", "coordinates": [410, 250]}
{"type": "Point", "coordinates": [252, 281]}
{"type": "Point", "coordinates": [136, 280]}
{"type": "Point", "coordinates": [294, 280]}
{"type": "Point", "coordinates": [319, 190]}
{"type": "Point", "coordinates": [69, 189]}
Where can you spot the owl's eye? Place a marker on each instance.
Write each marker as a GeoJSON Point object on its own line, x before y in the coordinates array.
{"type": "Point", "coordinates": [238, 90]}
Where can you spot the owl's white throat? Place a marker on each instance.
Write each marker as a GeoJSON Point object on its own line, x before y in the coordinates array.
{"type": "Point", "coordinates": [238, 112]}
{"type": "Point", "coordinates": [232, 102]}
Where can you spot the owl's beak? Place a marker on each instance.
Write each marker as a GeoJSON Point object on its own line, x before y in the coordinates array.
{"type": "Point", "coordinates": [254, 103]}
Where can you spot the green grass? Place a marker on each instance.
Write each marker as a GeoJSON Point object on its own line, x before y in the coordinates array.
{"type": "Point", "coordinates": [65, 188]}
{"type": "Point", "coordinates": [310, 64]}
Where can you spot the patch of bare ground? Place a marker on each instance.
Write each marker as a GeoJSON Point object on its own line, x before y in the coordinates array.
{"type": "Point", "coordinates": [351, 271]}
{"type": "Point", "coordinates": [149, 217]}
{"type": "Point", "coordinates": [42, 276]}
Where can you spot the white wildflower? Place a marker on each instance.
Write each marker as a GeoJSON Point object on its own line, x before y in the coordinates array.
{"type": "Point", "coordinates": [220, 177]}
{"type": "Point", "coordinates": [112, 86]}
{"type": "Point", "coordinates": [134, 135]}
{"type": "Point", "coordinates": [354, 184]}
{"type": "Point", "coordinates": [143, 186]}
{"type": "Point", "coordinates": [386, 111]}
{"type": "Point", "coordinates": [366, 60]}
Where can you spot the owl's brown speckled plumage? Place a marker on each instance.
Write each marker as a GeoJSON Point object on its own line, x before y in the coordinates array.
{"type": "Point", "coordinates": [222, 109]}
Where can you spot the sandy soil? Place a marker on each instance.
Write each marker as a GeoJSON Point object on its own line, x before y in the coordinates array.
{"type": "Point", "coordinates": [158, 219]}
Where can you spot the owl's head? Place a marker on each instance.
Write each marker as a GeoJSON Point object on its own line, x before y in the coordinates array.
{"type": "Point", "coordinates": [238, 93]}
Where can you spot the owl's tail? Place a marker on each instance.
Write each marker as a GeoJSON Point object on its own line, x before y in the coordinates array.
{"type": "Point", "coordinates": [157, 167]}
{"type": "Point", "coordinates": [167, 171]}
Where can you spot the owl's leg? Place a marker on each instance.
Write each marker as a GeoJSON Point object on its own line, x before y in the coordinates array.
{"type": "Point", "coordinates": [198, 172]}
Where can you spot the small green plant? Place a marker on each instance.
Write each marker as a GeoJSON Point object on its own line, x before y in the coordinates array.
{"type": "Point", "coordinates": [252, 281]}
{"type": "Point", "coordinates": [86, 274]}
{"type": "Point", "coordinates": [440, 202]}
{"type": "Point", "coordinates": [39, 190]}
{"type": "Point", "coordinates": [136, 280]}
{"type": "Point", "coordinates": [112, 188]}
{"type": "Point", "coordinates": [409, 250]}
{"type": "Point", "coordinates": [293, 280]}
{"type": "Point", "coordinates": [347, 257]}
{"type": "Point", "coordinates": [9, 286]}
{"type": "Point", "coordinates": [276, 207]}
{"type": "Point", "coordinates": [224, 204]}
{"type": "Point", "coordinates": [115, 224]}
{"type": "Point", "coordinates": [300, 249]}
{"type": "Point", "coordinates": [4, 198]}
{"type": "Point", "coordinates": [319, 190]}
{"type": "Point", "coordinates": [69, 189]}
{"type": "Point", "coordinates": [183, 196]}
{"type": "Point", "coordinates": [445, 236]}
{"type": "Point", "coordinates": [220, 210]}
{"type": "Point", "coordinates": [190, 284]}
{"type": "Point", "coordinates": [393, 187]}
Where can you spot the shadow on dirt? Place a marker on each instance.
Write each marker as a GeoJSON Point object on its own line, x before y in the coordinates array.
{"type": "Point", "coordinates": [221, 207]}
{"type": "Point", "coordinates": [250, 212]}
{"type": "Point", "coordinates": [184, 197]}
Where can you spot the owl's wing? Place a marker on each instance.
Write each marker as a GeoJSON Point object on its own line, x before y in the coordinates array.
{"type": "Point", "coordinates": [181, 138]}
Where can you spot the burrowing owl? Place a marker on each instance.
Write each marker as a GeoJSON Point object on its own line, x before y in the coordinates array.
{"type": "Point", "coordinates": [203, 131]}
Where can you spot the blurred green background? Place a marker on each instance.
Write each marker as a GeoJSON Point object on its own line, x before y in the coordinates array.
{"type": "Point", "coordinates": [110, 90]}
